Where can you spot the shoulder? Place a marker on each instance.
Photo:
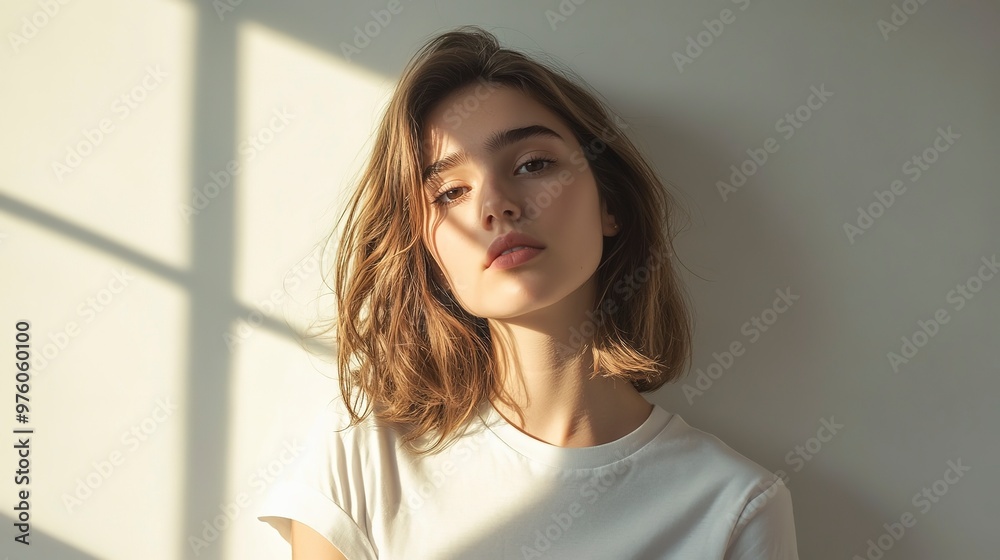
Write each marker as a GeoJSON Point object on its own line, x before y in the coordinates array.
{"type": "Point", "coordinates": [715, 467]}
{"type": "Point", "coordinates": [334, 421]}
{"type": "Point", "coordinates": [695, 444]}
{"type": "Point", "coordinates": [369, 442]}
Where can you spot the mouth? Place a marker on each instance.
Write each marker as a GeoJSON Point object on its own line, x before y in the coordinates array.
{"type": "Point", "coordinates": [514, 257]}
{"type": "Point", "coordinates": [518, 248]}
{"type": "Point", "coordinates": [510, 249]}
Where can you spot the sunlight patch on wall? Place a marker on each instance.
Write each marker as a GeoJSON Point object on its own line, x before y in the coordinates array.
{"type": "Point", "coordinates": [102, 103]}
{"type": "Point", "coordinates": [300, 116]}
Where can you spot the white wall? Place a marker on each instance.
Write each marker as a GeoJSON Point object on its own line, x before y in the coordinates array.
{"type": "Point", "coordinates": [167, 380]}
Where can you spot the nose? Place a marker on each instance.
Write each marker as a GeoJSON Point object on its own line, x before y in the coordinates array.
{"type": "Point", "coordinates": [499, 200]}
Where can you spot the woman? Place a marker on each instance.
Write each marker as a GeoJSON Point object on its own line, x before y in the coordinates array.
{"type": "Point", "coordinates": [506, 292]}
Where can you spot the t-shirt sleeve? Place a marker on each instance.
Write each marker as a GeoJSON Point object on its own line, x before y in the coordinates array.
{"type": "Point", "coordinates": [323, 488]}
{"type": "Point", "coordinates": [766, 527]}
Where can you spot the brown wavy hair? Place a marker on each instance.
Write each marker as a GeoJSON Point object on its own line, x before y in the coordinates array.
{"type": "Point", "coordinates": [403, 344]}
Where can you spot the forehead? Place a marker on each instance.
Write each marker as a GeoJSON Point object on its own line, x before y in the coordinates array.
{"type": "Point", "coordinates": [468, 116]}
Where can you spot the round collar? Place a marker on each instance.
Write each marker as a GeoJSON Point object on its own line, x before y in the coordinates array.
{"type": "Point", "coordinates": [574, 457]}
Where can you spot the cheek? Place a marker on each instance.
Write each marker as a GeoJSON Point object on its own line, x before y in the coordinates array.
{"type": "Point", "coordinates": [434, 235]}
{"type": "Point", "coordinates": [454, 252]}
{"type": "Point", "coordinates": [576, 200]}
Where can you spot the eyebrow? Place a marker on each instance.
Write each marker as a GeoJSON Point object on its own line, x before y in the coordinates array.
{"type": "Point", "coordinates": [497, 141]}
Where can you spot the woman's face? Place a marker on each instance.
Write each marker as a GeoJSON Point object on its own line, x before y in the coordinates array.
{"type": "Point", "coordinates": [534, 180]}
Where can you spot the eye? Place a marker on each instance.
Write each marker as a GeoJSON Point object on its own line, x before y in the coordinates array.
{"type": "Point", "coordinates": [441, 194]}
{"type": "Point", "coordinates": [437, 198]}
{"type": "Point", "coordinates": [538, 160]}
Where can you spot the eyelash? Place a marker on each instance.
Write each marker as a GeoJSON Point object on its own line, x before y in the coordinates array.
{"type": "Point", "coordinates": [436, 199]}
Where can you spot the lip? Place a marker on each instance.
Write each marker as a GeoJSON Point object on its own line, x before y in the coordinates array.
{"type": "Point", "coordinates": [510, 260]}
{"type": "Point", "coordinates": [510, 240]}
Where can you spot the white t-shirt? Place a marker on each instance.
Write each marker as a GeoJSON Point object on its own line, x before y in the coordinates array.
{"type": "Point", "coordinates": [665, 491]}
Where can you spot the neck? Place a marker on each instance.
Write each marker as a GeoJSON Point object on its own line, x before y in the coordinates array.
{"type": "Point", "coordinates": [555, 399]}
